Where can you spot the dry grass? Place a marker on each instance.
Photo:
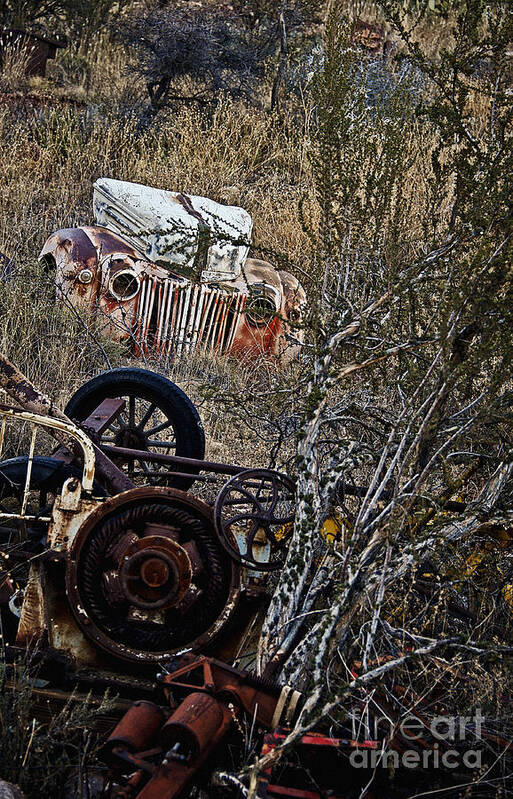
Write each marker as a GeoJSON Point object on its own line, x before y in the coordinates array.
{"type": "Point", "coordinates": [58, 135]}
{"type": "Point", "coordinates": [51, 151]}
{"type": "Point", "coordinates": [14, 65]}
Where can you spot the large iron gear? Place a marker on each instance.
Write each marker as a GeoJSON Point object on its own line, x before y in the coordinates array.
{"type": "Point", "coordinates": [147, 575]}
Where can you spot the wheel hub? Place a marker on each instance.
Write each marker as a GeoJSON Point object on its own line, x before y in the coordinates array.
{"type": "Point", "coordinates": [155, 573]}
{"type": "Point", "coordinates": [147, 575]}
{"type": "Point", "coordinates": [130, 438]}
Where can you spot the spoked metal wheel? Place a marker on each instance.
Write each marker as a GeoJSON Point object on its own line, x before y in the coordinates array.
{"type": "Point", "coordinates": [158, 417]}
{"type": "Point", "coordinates": [143, 425]}
{"type": "Point", "coordinates": [255, 509]}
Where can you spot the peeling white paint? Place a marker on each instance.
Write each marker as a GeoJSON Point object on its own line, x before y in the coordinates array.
{"type": "Point", "coordinates": [166, 226]}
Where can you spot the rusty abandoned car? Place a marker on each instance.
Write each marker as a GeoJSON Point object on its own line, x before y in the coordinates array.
{"type": "Point", "coordinates": [170, 273]}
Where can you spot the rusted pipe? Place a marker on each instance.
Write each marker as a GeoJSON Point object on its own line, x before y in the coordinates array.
{"type": "Point", "coordinates": [159, 457]}
{"type": "Point", "coordinates": [136, 730]}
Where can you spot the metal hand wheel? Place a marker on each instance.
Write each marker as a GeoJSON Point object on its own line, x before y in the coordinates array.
{"type": "Point", "coordinates": [253, 516]}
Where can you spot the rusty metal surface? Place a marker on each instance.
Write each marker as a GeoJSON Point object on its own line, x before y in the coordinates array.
{"type": "Point", "coordinates": [193, 725]}
{"type": "Point", "coordinates": [136, 730]}
{"type": "Point", "coordinates": [94, 425]}
{"type": "Point", "coordinates": [65, 429]}
{"type": "Point", "coordinates": [161, 758]}
{"type": "Point", "coordinates": [160, 457]}
{"type": "Point", "coordinates": [146, 574]}
{"type": "Point", "coordinates": [155, 573]}
{"type": "Point", "coordinates": [72, 252]}
{"type": "Point", "coordinates": [270, 335]}
{"type": "Point", "coordinates": [98, 421]}
{"type": "Point", "coordinates": [69, 512]}
{"type": "Point", "coordinates": [142, 576]}
{"type": "Point", "coordinates": [269, 703]}
{"type": "Point", "coordinates": [34, 401]}
{"type": "Point", "coordinates": [203, 597]}
{"type": "Point", "coordinates": [14, 383]}
{"type": "Point", "coordinates": [253, 515]}
{"type": "Point", "coordinates": [61, 630]}
{"type": "Point", "coordinates": [32, 624]}
{"type": "Point", "coordinates": [173, 317]}
{"type": "Point", "coordinates": [180, 747]}
{"type": "Point", "coordinates": [167, 312]}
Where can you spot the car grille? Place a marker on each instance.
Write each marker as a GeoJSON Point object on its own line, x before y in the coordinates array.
{"type": "Point", "coordinates": [175, 317]}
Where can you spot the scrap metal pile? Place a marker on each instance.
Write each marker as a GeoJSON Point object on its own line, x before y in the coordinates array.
{"type": "Point", "coordinates": [113, 575]}
{"type": "Point", "coordinates": [142, 588]}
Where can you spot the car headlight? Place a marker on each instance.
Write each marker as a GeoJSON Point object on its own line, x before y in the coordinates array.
{"type": "Point", "coordinates": [124, 285]}
{"type": "Point", "coordinates": [262, 304]}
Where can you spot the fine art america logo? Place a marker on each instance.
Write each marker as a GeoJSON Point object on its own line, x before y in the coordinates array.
{"type": "Point", "coordinates": [451, 742]}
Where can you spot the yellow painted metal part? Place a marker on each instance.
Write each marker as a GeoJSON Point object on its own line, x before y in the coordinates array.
{"type": "Point", "coordinates": [333, 528]}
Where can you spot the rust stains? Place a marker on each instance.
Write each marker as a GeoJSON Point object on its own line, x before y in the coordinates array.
{"type": "Point", "coordinates": [164, 312]}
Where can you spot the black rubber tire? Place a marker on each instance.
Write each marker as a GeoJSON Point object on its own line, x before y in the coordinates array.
{"type": "Point", "coordinates": [153, 388]}
{"type": "Point", "coordinates": [48, 474]}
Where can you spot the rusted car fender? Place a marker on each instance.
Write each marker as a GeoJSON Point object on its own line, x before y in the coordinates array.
{"type": "Point", "coordinates": [86, 261]}
{"type": "Point", "coordinates": [76, 255]}
{"type": "Point", "coordinates": [276, 329]}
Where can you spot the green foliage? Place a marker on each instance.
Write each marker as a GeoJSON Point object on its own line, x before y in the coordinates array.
{"type": "Point", "coordinates": [263, 12]}
{"type": "Point", "coordinates": [373, 230]}
{"type": "Point", "coordinates": [81, 19]}
{"type": "Point", "coordinates": [29, 14]}
{"type": "Point", "coordinates": [86, 18]}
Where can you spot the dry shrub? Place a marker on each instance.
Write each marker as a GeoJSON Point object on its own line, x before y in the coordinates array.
{"type": "Point", "coordinates": [42, 757]}
{"type": "Point", "coordinates": [14, 64]}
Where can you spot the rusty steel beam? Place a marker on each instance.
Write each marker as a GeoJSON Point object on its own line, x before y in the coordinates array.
{"type": "Point", "coordinates": [32, 400]}
{"type": "Point", "coordinates": [348, 489]}
{"type": "Point", "coordinates": [96, 423]}
{"type": "Point", "coordinates": [267, 702]}
{"type": "Point", "coordinates": [25, 393]}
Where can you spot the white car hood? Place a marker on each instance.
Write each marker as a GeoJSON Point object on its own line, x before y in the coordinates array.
{"type": "Point", "coordinates": [166, 227]}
